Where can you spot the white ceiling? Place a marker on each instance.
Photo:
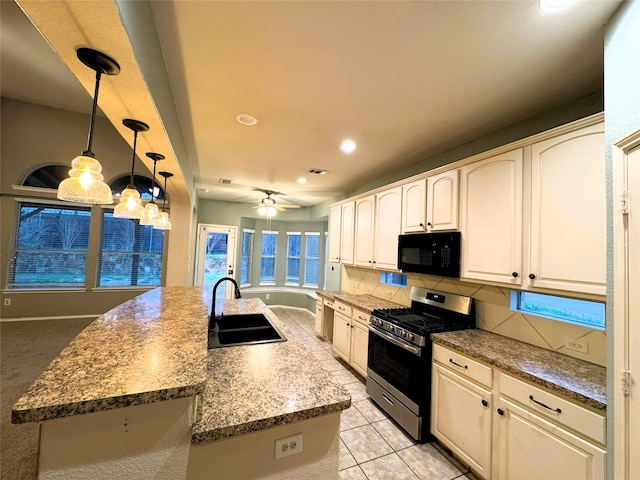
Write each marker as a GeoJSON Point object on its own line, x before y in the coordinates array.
{"type": "Point", "coordinates": [404, 79]}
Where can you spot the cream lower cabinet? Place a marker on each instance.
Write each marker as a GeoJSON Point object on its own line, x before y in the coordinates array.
{"type": "Point", "coordinates": [319, 327]}
{"type": "Point", "coordinates": [505, 428]}
{"type": "Point", "coordinates": [351, 336]}
{"type": "Point", "coordinates": [461, 408]}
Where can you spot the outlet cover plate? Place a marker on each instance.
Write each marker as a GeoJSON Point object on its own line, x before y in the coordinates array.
{"type": "Point", "coordinates": [288, 446]}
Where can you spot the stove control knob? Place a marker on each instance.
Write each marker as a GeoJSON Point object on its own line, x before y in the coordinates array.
{"type": "Point", "coordinates": [403, 334]}
{"type": "Point", "coordinates": [410, 336]}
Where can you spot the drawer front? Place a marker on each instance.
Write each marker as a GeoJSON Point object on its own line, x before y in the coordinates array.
{"type": "Point", "coordinates": [463, 365]}
{"type": "Point", "coordinates": [549, 405]}
{"type": "Point", "coordinates": [342, 308]}
{"type": "Point", "coordinates": [360, 316]}
{"type": "Point", "coordinates": [328, 302]}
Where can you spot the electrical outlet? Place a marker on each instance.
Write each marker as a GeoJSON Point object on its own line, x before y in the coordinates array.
{"type": "Point", "coordinates": [7, 302]}
{"type": "Point", "coordinates": [388, 295]}
{"type": "Point", "coordinates": [577, 346]}
{"type": "Point", "coordinates": [267, 296]}
{"type": "Point", "coordinates": [288, 446]}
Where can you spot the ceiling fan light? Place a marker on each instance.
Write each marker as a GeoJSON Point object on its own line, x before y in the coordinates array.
{"type": "Point", "coordinates": [271, 211]}
{"type": "Point", "coordinates": [130, 205]}
{"type": "Point", "coordinates": [262, 210]}
{"type": "Point", "coordinates": [84, 184]}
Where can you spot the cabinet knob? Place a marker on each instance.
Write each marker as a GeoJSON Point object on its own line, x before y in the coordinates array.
{"type": "Point", "coordinates": [422, 224]}
{"type": "Point", "coordinates": [485, 403]}
{"type": "Point", "coordinates": [428, 224]}
{"type": "Point", "coordinates": [514, 274]}
{"type": "Point", "coordinates": [532, 276]}
{"type": "Point", "coordinates": [500, 411]}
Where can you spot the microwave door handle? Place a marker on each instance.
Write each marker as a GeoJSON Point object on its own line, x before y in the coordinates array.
{"type": "Point", "coordinates": [409, 348]}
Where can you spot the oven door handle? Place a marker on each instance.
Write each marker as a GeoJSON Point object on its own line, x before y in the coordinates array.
{"type": "Point", "coordinates": [417, 351]}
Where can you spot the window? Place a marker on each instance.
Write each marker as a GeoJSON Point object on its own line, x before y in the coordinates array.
{"type": "Point", "coordinates": [247, 252]}
{"type": "Point", "coordinates": [395, 279]}
{"type": "Point", "coordinates": [569, 310]}
{"type": "Point", "coordinates": [268, 257]}
{"type": "Point", "coordinates": [142, 184]}
{"type": "Point", "coordinates": [293, 258]}
{"type": "Point", "coordinates": [130, 253]}
{"type": "Point", "coordinates": [50, 246]}
{"type": "Point", "coordinates": [311, 259]}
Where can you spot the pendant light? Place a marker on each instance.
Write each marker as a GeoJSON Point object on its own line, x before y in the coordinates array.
{"type": "Point", "coordinates": [130, 205]}
{"type": "Point", "coordinates": [163, 223]}
{"type": "Point", "coordinates": [151, 211]}
{"type": "Point", "coordinates": [85, 184]}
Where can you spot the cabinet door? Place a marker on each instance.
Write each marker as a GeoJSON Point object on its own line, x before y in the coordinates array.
{"type": "Point", "coordinates": [365, 211]}
{"type": "Point", "coordinates": [342, 335]}
{"type": "Point", "coordinates": [533, 448]}
{"type": "Point", "coordinates": [359, 348]}
{"type": "Point", "coordinates": [567, 238]}
{"type": "Point", "coordinates": [335, 233]}
{"type": "Point", "coordinates": [319, 327]}
{"type": "Point", "coordinates": [442, 201]}
{"type": "Point", "coordinates": [414, 206]}
{"type": "Point", "coordinates": [461, 418]}
{"type": "Point", "coordinates": [387, 228]}
{"type": "Point", "coordinates": [491, 219]}
{"type": "Point", "coordinates": [346, 238]}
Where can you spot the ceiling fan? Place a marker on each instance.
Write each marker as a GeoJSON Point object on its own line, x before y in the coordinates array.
{"type": "Point", "coordinates": [268, 206]}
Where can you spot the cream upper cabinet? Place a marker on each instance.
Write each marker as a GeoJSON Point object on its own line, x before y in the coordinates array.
{"type": "Point", "coordinates": [377, 227]}
{"type": "Point", "coordinates": [414, 206]}
{"type": "Point", "coordinates": [347, 229]}
{"type": "Point", "coordinates": [387, 228]}
{"type": "Point", "coordinates": [341, 228]}
{"type": "Point", "coordinates": [491, 219]}
{"type": "Point", "coordinates": [364, 231]}
{"type": "Point", "coordinates": [567, 236]}
{"type": "Point", "coordinates": [442, 201]}
{"type": "Point", "coordinates": [335, 233]}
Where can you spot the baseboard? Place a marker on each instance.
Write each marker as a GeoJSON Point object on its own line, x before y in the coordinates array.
{"type": "Point", "coordinates": [61, 317]}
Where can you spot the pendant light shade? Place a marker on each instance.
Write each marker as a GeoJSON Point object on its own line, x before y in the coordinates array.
{"type": "Point", "coordinates": [130, 205]}
{"type": "Point", "coordinates": [151, 211]}
{"type": "Point", "coordinates": [85, 184]}
{"type": "Point", "coordinates": [163, 223]}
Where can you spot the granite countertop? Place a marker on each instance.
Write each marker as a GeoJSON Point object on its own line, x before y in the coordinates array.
{"type": "Point", "coordinates": [154, 348]}
{"type": "Point", "coordinates": [149, 349]}
{"type": "Point", "coordinates": [254, 387]}
{"type": "Point", "coordinates": [574, 378]}
{"type": "Point", "coordinates": [364, 302]}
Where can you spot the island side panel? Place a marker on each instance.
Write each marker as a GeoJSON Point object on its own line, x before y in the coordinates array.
{"type": "Point", "coordinates": [253, 455]}
{"type": "Point", "coordinates": [150, 441]}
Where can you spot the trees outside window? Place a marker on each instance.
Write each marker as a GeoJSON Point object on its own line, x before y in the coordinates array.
{"type": "Point", "coordinates": [311, 259]}
{"type": "Point", "coordinates": [50, 246]}
{"type": "Point", "coordinates": [247, 252]}
{"type": "Point", "coordinates": [130, 253]}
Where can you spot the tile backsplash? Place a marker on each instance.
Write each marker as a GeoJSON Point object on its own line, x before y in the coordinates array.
{"type": "Point", "coordinates": [492, 311]}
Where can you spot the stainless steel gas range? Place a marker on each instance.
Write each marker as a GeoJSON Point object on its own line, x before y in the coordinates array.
{"type": "Point", "coordinates": [400, 350]}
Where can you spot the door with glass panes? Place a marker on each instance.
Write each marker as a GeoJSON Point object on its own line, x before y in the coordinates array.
{"type": "Point", "coordinates": [215, 258]}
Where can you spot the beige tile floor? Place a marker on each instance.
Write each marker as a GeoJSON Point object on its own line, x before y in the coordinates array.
{"type": "Point", "coordinates": [372, 446]}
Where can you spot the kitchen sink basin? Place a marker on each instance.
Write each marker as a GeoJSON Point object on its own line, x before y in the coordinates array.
{"type": "Point", "coordinates": [243, 329]}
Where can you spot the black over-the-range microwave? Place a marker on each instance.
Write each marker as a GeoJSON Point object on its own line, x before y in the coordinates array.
{"type": "Point", "coordinates": [436, 253]}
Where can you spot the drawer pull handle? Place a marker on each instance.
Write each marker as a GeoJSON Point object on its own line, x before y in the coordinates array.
{"type": "Point", "coordinates": [485, 403]}
{"type": "Point", "coordinates": [387, 399]}
{"type": "Point", "coordinates": [341, 308]}
{"type": "Point", "coordinates": [457, 364]}
{"type": "Point", "coordinates": [557, 410]}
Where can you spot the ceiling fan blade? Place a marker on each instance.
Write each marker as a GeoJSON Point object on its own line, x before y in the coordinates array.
{"type": "Point", "coordinates": [288, 205]}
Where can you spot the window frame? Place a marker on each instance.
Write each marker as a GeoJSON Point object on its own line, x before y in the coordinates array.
{"type": "Point", "coordinates": [14, 249]}
{"type": "Point", "coordinates": [290, 257]}
{"type": "Point", "coordinates": [251, 233]}
{"type": "Point", "coordinates": [263, 256]}
{"type": "Point", "coordinates": [308, 258]}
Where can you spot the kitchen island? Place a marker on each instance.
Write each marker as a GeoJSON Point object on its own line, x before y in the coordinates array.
{"type": "Point", "coordinates": [137, 395]}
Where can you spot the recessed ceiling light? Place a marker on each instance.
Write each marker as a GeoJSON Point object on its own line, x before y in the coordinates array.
{"type": "Point", "coordinates": [246, 119]}
{"type": "Point", "coordinates": [348, 146]}
{"type": "Point", "coordinates": [554, 5]}
{"type": "Point", "coordinates": [301, 180]}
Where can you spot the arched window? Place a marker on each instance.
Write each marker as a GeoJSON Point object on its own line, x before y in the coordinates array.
{"type": "Point", "coordinates": [142, 184]}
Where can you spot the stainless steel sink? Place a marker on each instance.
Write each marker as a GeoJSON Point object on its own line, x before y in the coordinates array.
{"type": "Point", "coordinates": [243, 329]}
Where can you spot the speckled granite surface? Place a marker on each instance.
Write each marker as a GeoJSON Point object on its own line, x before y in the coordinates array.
{"type": "Point", "coordinates": [366, 303]}
{"type": "Point", "coordinates": [154, 348]}
{"type": "Point", "coordinates": [255, 387]}
{"type": "Point", "coordinates": [151, 348]}
{"type": "Point", "coordinates": [582, 381]}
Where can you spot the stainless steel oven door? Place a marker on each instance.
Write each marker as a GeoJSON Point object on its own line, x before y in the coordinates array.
{"type": "Point", "coordinates": [401, 368]}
